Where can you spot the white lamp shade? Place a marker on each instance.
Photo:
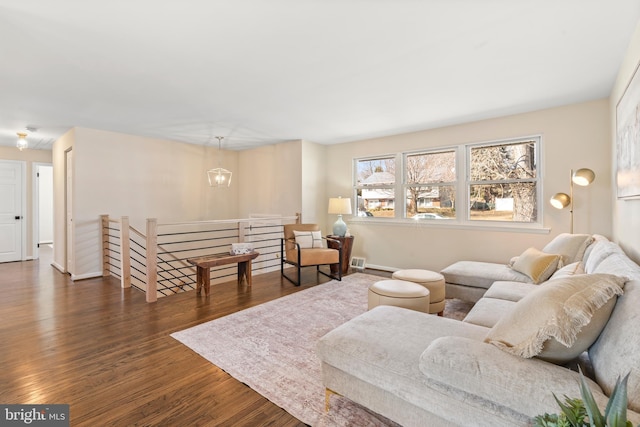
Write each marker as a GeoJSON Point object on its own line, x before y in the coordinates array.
{"type": "Point", "coordinates": [339, 206]}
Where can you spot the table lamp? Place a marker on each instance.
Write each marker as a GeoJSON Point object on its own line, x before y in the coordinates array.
{"type": "Point", "coordinates": [339, 206]}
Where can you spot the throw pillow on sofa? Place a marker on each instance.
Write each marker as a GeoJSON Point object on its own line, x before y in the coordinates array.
{"type": "Point", "coordinates": [558, 321]}
{"type": "Point", "coordinates": [539, 266]}
{"type": "Point", "coordinates": [571, 246]}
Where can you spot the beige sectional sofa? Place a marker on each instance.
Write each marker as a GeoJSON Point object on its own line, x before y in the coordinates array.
{"type": "Point", "coordinates": [418, 369]}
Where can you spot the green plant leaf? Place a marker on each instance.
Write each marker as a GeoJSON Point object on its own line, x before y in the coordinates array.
{"type": "Point", "coordinates": [573, 412]}
{"type": "Point", "coordinates": [593, 412]}
{"type": "Point", "coordinates": [616, 411]}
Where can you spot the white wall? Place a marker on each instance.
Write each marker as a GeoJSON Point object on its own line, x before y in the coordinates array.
{"type": "Point", "coordinates": [626, 213]}
{"type": "Point", "coordinates": [45, 204]}
{"type": "Point", "coordinates": [573, 136]}
{"type": "Point", "coordinates": [30, 157]}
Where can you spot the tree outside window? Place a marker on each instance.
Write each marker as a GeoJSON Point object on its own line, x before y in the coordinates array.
{"type": "Point", "coordinates": [430, 185]}
{"type": "Point", "coordinates": [503, 182]}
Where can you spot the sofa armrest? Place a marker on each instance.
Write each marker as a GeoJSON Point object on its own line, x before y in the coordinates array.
{"type": "Point", "coordinates": [508, 383]}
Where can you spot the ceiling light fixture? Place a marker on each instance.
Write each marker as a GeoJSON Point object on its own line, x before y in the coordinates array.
{"type": "Point", "coordinates": [22, 141]}
{"type": "Point", "coordinates": [582, 177]}
{"type": "Point", "coordinates": [219, 177]}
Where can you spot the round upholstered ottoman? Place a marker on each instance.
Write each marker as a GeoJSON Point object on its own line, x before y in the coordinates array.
{"type": "Point", "coordinates": [399, 293]}
{"type": "Point", "coordinates": [430, 280]}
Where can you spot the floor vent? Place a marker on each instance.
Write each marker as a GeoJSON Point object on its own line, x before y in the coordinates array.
{"type": "Point", "coordinates": [358, 263]}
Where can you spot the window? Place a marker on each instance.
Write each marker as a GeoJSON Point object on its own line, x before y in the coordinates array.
{"type": "Point", "coordinates": [375, 187]}
{"type": "Point", "coordinates": [429, 188]}
{"type": "Point", "coordinates": [494, 182]}
{"type": "Point", "coordinates": [503, 181]}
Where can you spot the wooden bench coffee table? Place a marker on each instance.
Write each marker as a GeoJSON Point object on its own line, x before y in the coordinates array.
{"type": "Point", "coordinates": [204, 263]}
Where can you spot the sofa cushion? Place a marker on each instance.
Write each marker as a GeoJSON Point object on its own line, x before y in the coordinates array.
{"type": "Point", "coordinates": [510, 291]}
{"type": "Point", "coordinates": [480, 274]}
{"type": "Point", "coordinates": [526, 386]}
{"type": "Point", "coordinates": [570, 246]}
{"type": "Point", "coordinates": [383, 347]}
{"type": "Point", "coordinates": [488, 311]}
{"type": "Point", "coordinates": [617, 350]}
{"type": "Point", "coordinates": [560, 319]}
{"type": "Point", "coordinates": [537, 265]}
{"type": "Point", "coordinates": [598, 253]}
{"type": "Point", "coordinates": [569, 270]}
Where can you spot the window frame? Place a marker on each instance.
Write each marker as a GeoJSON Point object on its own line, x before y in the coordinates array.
{"type": "Point", "coordinates": [359, 187]}
{"type": "Point", "coordinates": [462, 187]}
{"type": "Point", "coordinates": [537, 180]}
{"type": "Point", "coordinates": [406, 185]}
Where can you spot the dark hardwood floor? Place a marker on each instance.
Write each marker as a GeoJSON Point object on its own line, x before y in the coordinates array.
{"type": "Point", "coordinates": [108, 354]}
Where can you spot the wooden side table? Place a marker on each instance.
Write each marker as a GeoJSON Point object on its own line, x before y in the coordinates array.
{"type": "Point", "coordinates": [203, 264]}
{"type": "Point", "coordinates": [347, 244]}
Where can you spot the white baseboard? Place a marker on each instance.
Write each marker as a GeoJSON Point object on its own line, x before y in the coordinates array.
{"type": "Point", "coordinates": [58, 267]}
{"type": "Point", "coordinates": [75, 277]}
{"type": "Point", "coordinates": [381, 267]}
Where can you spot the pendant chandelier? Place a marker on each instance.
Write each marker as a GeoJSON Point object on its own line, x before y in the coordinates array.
{"type": "Point", "coordinates": [219, 177]}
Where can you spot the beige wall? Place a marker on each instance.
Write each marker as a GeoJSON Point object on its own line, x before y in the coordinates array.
{"type": "Point", "coordinates": [314, 197]}
{"type": "Point", "coordinates": [626, 213]}
{"type": "Point", "coordinates": [29, 157]}
{"type": "Point", "coordinates": [573, 136]}
{"type": "Point", "coordinates": [270, 180]}
{"type": "Point", "coordinates": [125, 175]}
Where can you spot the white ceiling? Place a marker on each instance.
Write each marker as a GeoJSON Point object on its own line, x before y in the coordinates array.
{"type": "Point", "coordinates": [327, 71]}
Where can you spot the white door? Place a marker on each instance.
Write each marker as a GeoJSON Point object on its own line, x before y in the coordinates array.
{"type": "Point", "coordinates": [69, 209]}
{"type": "Point", "coordinates": [11, 215]}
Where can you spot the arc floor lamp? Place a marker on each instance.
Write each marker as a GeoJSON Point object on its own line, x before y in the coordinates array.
{"type": "Point", "coordinates": [582, 177]}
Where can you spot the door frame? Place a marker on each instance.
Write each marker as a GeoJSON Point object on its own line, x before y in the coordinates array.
{"type": "Point", "coordinates": [35, 207]}
{"type": "Point", "coordinates": [68, 205]}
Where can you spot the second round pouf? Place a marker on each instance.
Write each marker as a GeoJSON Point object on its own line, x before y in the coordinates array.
{"type": "Point", "coordinates": [430, 280]}
{"type": "Point", "coordinates": [399, 293]}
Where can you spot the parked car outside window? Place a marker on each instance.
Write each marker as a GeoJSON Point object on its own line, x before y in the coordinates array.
{"type": "Point", "coordinates": [427, 216]}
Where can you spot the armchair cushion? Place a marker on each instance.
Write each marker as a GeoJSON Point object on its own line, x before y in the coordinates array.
{"type": "Point", "coordinates": [308, 239]}
{"type": "Point", "coordinates": [558, 320]}
{"type": "Point", "coordinates": [314, 256]}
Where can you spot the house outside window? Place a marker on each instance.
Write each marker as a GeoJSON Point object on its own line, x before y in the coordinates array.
{"type": "Point", "coordinates": [495, 182]}
{"type": "Point", "coordinates": [375, 187]}
{"type": "Point", "coordinates": [430, 185]}
{"type": "Point", "coordinates": [503, 182]}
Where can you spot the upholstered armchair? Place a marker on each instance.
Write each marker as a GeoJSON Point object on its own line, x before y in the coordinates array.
{"type": "Point", "coordinates": [304, 246]}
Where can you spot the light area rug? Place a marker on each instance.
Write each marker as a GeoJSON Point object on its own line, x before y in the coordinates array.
{"type": "Point", "coordinates": [271, 348]}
